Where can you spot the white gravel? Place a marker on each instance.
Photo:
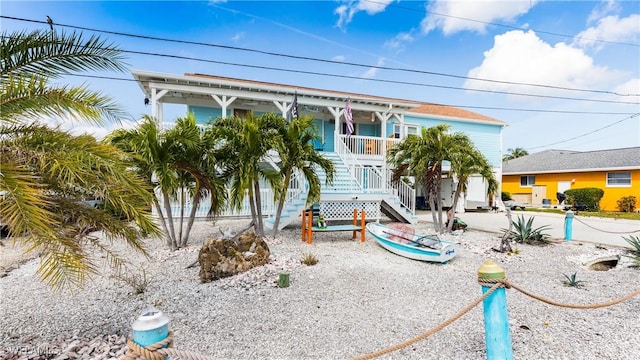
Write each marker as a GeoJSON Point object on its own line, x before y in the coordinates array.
{"type": "Point", "coordinates": [358, 299]}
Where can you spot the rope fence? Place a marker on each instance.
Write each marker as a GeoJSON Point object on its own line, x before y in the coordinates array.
{"type": "Point", "coordinates": [606, 231]}
{"type": "Point", "coordinates": [164, 348]}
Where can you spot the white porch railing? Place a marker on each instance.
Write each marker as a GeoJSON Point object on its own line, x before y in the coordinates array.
{"type": "Point", "coordinates": [367, 147]}
{"type": "Point", "coordinates": [297, 190]}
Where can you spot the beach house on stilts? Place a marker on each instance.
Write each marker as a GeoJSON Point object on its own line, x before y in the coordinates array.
{"type": "Point", "coordinates": [356, 131]}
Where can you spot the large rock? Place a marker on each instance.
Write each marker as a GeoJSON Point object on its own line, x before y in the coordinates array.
{"type": "Point", "coordinates": [221, 258]}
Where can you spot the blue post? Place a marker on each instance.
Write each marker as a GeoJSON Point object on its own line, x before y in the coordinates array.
{"type": "Point", "coordinates": [568, 220]}
{"type": "Point", "coordinates": [496, 320]}
{"type": "Point", "coordinates": [151, 327]}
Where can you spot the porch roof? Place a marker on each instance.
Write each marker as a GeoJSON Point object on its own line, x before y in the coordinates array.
{"type": "Point", "coordinates": [198, 88]}
{"type": "Point", "coordinates": [201, 87]}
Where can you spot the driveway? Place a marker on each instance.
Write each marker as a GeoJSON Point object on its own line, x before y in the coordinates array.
{"type": "Point", "coordinates": [595, 230]}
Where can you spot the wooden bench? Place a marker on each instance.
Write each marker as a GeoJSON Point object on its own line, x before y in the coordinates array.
{"type": "Point", "coordinates": [308, 228]}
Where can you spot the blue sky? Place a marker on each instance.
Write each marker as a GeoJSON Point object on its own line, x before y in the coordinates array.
{"type": "Point", "coordinates": [587, 45]}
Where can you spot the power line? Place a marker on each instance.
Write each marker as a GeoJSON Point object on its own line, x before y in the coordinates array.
{"type": "Point", "coordinates": [452, 105]}
{"type": "Point", "coordinates": [306, 58]}
{"type": "Point", "coordinates": [386, 81]}
{"type": "Point", "coordinates": [503, 25]}
{"type": "Point", "coordinates": [588, 133]}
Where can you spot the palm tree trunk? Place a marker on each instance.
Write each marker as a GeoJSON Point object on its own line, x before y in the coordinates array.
{"type": "Point", "coordinates": [438, 182]}
{"type": "Point", "coordinates": [192, 217]}
{"type": "Point", "coordinates": [252, 206]}
{"type": "Point", "coordinates": [163, 223]}
{"type": "Point", "coordinates": [173, 243]}
{"type": "Point", "coordinates": [182, 198]}
{"type": "Point", "coordinates": [256, 185]}
{"type": "Point", "coordinates": [455, 204]}
{"type": "Point", "coordinates": [283, 198]}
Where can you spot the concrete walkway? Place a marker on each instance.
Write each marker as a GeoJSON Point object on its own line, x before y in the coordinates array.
{"type": "Point", "coordinates": [595, 230]}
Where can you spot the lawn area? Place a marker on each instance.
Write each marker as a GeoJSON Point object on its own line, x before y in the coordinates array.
{"type": "Point", "coordinates": [604, 214]}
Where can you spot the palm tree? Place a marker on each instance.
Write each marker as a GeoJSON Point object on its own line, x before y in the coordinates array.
{"type": "Point", "coordinates": [297, 153]}
{"type": "Point", "coordinates": [178, 162]}
{"type": "Point", "coordinates": [244, 143]}
{"type": "Point", "coordinates": [47, 175]}
{"type": "Point", "coordinates": [515, 153]}
{"type": "Point", "coordinates": [466, 162]}
{"type": "Point", "coordinates": [423, 156]}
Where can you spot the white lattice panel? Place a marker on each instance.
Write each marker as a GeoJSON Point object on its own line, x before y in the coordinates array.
{"type": "Point", "coordinates": [343, 210]}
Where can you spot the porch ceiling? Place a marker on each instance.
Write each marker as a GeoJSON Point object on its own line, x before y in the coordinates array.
{"type": "Point", "coordinates": [197, 89]}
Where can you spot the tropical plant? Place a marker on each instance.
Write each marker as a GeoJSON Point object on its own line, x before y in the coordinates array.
{"type": "Point", "coordinates": [423, 155]}
{"type": "Point", "coordinates": [309, 259]}
{"type": "Point", "coordinates": [524, 232]}
{"type": "Point", "coordinates": [627, 203]}
{"type": "Point", "coordinates": [180, 163]}
{"type": "Point", "coordinates": [47, 175]}
{"type": "Point", "coordinates": [572, 280]}
{"type": "Point", "coordinates": [466, 161]}
{"type": "Point", "coordinates": [244, 143]}
{"type": "Point", "coordinates": [634, 241]}
{"type": "Point", "coordinates": [514, 153]}
{"type": "Point", "coordinates": [297, 153]}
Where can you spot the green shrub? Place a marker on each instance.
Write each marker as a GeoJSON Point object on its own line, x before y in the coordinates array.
{"type": "Point", "coordinates": [524, 232]}
{"type": "Point", "coordinates": [587, 196]}
{"type": "Point", "coordinates": [506, 196]}
{"type": "Point", "coordinates": [627, 203]}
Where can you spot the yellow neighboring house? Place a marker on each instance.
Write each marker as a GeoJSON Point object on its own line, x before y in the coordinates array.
{"type": "Point", "coordinates": [536, 178]}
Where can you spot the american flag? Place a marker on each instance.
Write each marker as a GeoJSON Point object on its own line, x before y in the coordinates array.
{"type": "Point", "coordinates": [294, 106]}
{"type": "Point", "coordinates": [348, 118]}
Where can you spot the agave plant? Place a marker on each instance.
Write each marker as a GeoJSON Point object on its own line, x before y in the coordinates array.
{"type": "Point", "coordinates": [634, 241]}
{"type": "Point", "coordinates": [572, 281]}
{"type": "Point", "coordinates": [524, 232]}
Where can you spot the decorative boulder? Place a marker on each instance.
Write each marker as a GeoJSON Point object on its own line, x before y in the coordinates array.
{"type": "Point", "coordinates": [221, 258]}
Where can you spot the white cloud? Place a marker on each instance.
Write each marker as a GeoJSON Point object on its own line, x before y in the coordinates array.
{"type": "Point", "coordinates": [522, 57]}
{"type": "Point", "coordinates": [398, 42]}
{"type": "Point", "coordinates": [348, 9]}
{"type": "Point", "coordinates": [603, 9]}
{"type": "Point", "coordinates": [372, 72]}
{"type": "Point", "coordinates": [610, 28]}
{"type": "Point", "coordinates": [630, 87]}
{"type": "Point", "coordinates": [237, 36]}
{"type": "Point", "coordinates": [340, 58]}
{"type": "Point", "coordinates": [453, 16]}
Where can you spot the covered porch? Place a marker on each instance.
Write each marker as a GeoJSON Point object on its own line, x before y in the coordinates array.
{"type": "Point", "coordinates": [378, 122]}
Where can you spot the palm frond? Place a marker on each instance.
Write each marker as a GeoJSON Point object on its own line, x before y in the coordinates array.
{"type": "Point", "coordinates": [52, 54]}
{"type": "Point", "coordinates": [30, 98]}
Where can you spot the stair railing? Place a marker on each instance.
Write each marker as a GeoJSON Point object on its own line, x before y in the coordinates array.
{"type": "Point", "coordinates": [368, 179]}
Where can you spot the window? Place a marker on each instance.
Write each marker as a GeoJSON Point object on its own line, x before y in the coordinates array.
{"type": "Point", "coordinates": [622, 178]}
{"type": "Point", "coordinates": [527, 181]}
{"type": "Point", "coordinates": [241, 113]}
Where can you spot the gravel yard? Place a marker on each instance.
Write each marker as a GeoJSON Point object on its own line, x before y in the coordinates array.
{"type": "Point", "coordinates": [358, 299]}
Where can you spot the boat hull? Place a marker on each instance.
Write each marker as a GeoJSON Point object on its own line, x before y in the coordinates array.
{"type": "Point", "coordinates": [392, 240]}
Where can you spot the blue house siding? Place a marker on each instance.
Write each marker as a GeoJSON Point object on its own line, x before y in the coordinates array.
{"type": "Point", "coordinates": [204, 114]}
{"type": "Point", "coordinates": [486, 137]}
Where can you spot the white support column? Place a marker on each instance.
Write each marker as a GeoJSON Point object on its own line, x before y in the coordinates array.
{"type": "Point", "coordinates": [155, 106]}
{"type": "Point", "coordinates": [224, 102]}
{"type": "Point", "coordinates": [336, 112]}
{"type": "Point", "coordinates": [282, 106]}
